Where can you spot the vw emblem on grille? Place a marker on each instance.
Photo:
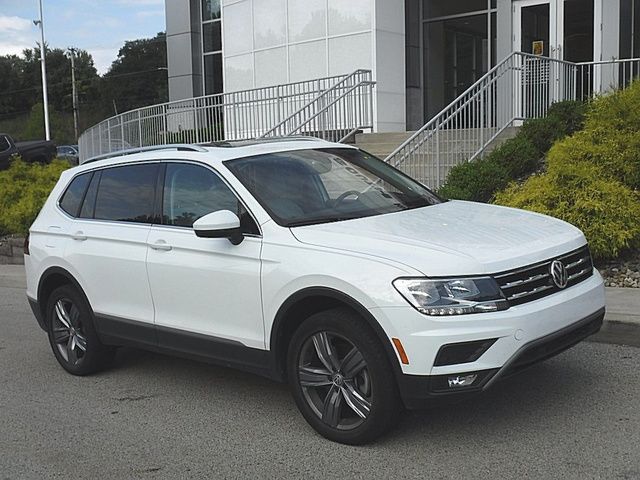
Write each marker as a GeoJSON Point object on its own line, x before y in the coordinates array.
{"type": "Point", "coordinates": [559, 274]}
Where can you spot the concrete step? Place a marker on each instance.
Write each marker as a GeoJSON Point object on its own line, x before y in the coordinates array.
{"type": "Point", "coordinates": [385, 137]}
{"type": "Point", "coordinates": [454, 147]}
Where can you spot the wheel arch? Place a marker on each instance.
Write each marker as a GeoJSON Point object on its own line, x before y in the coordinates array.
{"type": "Point", "coordinates": [303, 303]}
{"type": "Point", "coordinates": [52, 278]}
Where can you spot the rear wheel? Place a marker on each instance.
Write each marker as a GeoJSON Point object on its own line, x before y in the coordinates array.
{"type": "Point", "coordinates": [72, 334]}
{"type": "Point", "coordinates": [341, 379]}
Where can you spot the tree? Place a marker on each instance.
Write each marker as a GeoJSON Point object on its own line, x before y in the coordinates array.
{"type": "Point", "coordinates": [21, 94]}
{"type": "Point", "coordinates": [61, 126]}
{"type": "Point", "coordinates": [138, 77]}
{"type": "Point", "coordinates": [59, 76]}
{"type": "Point", "coordinates": [12, 98]}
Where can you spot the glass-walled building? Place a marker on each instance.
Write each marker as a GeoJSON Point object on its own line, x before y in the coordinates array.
{"type": "Point", "coordinates": [423, 53]}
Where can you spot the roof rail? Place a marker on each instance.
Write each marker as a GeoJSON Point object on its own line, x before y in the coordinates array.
{"type": "Point", "coordinates": [181, 147]}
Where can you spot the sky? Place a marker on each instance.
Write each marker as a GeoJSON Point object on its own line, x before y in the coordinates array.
{"type": "Point", "coordinates": [99, 26]}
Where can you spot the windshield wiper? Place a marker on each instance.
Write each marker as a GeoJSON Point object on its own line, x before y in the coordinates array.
{"type": "Point", "coordinates": [315, 221]}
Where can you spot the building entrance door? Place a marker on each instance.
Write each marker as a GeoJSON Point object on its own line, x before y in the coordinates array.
{"type": "Point", "coordinates": [536, 28]}
{"type": "Point", "coordinates": [560, 30]}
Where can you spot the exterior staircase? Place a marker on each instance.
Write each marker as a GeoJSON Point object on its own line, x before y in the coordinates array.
{"type": "Point", "coordinates": [520, 87]}
{"type": "Point", "coordinates": [453, 144]}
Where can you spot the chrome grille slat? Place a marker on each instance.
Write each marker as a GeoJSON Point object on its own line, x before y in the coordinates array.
{"type": "Point", "coordinates": [525, 284]}
{"type": "Point", "coordinates": [530, 292]}
{"type": "Point", "coordinates": [580, 273]}
{"type": "Point", "coordinates": [518, 283]}
{"type": "Point", "coordinates": [576, 263]}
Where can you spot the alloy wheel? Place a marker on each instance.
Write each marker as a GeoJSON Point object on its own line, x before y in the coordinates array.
{"type": "Point", "coordinates": [335, 380]}
{"type": "Point", "coordinates": [67, 332]}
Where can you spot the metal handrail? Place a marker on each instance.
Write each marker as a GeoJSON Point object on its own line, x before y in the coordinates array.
{"type": "Point", "coordinates": [436, 118]}
{"type": "Point", "coordinates": [236, 115]}
{"type": "Point", "coordinates": [316, 100]}
{"type": "Point", "coordinates": [520, 87]}
{"type": "Point", "coordinates": [338, 127]}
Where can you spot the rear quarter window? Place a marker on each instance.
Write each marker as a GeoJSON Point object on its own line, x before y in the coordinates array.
{"type": "Point", "coordinates": [72, 197]}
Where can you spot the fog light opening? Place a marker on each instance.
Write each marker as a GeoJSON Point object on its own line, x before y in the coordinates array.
{"type": "Point", "coordinates": [459, 381]}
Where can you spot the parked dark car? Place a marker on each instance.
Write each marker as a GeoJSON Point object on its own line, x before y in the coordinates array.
{"type": "Point", "coordinates": [69, 152]}
{"type": "Point", "coordinates": [34, 151]}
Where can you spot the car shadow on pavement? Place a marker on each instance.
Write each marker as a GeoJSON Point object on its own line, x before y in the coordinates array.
{"type": "Point", "coordinates": [534, 397]}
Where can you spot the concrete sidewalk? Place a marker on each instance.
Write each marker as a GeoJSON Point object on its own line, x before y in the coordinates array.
{"type": "Point", "coordinates": [622, 321]}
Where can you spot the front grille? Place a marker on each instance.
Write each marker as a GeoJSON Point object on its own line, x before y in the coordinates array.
{"type": "Point", "coordinates": [530, 283]}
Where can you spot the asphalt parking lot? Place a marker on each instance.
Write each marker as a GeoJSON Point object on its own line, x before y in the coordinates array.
{"type": "Point", "coordinates": [152, 416]}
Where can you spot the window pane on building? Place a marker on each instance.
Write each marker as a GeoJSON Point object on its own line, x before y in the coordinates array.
{"type": "Point", "coordinates": [629, 28]}
{"type": "Point", "coordinates": [213, 73]}
{"type": "Point", "coordinates": [210, 9]}
{"type": "Point", "coordinates": [443, 8]}
{"type": "Point", "coordinates": [211, 37]}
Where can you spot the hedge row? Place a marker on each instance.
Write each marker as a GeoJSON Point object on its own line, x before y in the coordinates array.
{"type": "Point", "coordinates": [24, 187]}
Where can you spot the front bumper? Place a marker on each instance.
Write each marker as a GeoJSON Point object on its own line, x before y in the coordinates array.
{"type": "Point", "coordinates": [507, 334]}
{"type": "Point", "coordinates": [419, 391]}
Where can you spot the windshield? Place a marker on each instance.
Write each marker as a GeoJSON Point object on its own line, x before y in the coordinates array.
{"type": "Point", "coordinates": [305, 187]}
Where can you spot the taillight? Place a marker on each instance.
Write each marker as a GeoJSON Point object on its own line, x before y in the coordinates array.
{"type": "Point", "coordinates": [26, 244]}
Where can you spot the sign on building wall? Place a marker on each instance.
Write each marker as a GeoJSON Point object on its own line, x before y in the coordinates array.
{"type": "Point", "coordinates": [537, 47]}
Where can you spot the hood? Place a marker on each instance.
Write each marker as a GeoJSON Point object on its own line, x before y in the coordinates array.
{"type": "Point", "coordinates": [451, 238]}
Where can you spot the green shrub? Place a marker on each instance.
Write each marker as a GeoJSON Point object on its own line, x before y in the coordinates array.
{"type": "Point", "coordinates": [616, 152]}
{"type": "Point", "coordinates": [607, 211]}
{"type": "Point", "coordinates": [516, 158]}
{"type": "Point", "coordinates": [475, 180]}
{"type": "Point", "coordinates": [563, 118]}
{"type": "Point", "coordinates": [23, 190]}
{"type": "Point", "coordinates": [616, 111]}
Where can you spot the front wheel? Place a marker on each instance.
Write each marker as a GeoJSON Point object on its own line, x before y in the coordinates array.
{"type": "Point", "coordinates": [341, 378]}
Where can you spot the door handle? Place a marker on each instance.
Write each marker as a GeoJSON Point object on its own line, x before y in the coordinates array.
{"type": "Point", "coordinates": [80, 236]}
{"type": "Point", "coordinates": [160, 245]}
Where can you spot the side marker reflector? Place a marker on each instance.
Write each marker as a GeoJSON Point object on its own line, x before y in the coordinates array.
{"type": "Point", "coordinates": [400, 349]}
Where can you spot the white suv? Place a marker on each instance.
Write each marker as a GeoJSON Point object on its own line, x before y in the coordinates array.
{"type": "Point", "coordinates": [308, 262]}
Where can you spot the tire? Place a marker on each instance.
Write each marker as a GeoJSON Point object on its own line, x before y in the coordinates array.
{"type": "Point", "coordinates": [72, 334]}
{"type": "Point", "coordinates": [341, 379]}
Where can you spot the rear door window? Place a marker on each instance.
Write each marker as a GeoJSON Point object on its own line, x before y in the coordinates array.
{"type": "Point", "coordinates": [127, 194]}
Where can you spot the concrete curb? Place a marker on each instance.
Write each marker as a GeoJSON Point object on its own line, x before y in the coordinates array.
{"type": "Point", "coordinates": [622, 320]}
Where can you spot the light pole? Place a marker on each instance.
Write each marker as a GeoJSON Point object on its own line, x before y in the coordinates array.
{"type": "Point", "coordinates": [43, 64]}
{"type": "Point", "coordinates": [74, 92]}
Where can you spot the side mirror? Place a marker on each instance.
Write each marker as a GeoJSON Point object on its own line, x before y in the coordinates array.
{"type": "Point", "coordinates": [220, 224]}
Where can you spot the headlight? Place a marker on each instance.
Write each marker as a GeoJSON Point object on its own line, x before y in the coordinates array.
{"type": "Point", "coordinates": [455, 296]}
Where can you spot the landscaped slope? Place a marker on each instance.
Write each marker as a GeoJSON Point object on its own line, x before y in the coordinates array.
{"type": "Point", "coordinates": [592, 178]}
